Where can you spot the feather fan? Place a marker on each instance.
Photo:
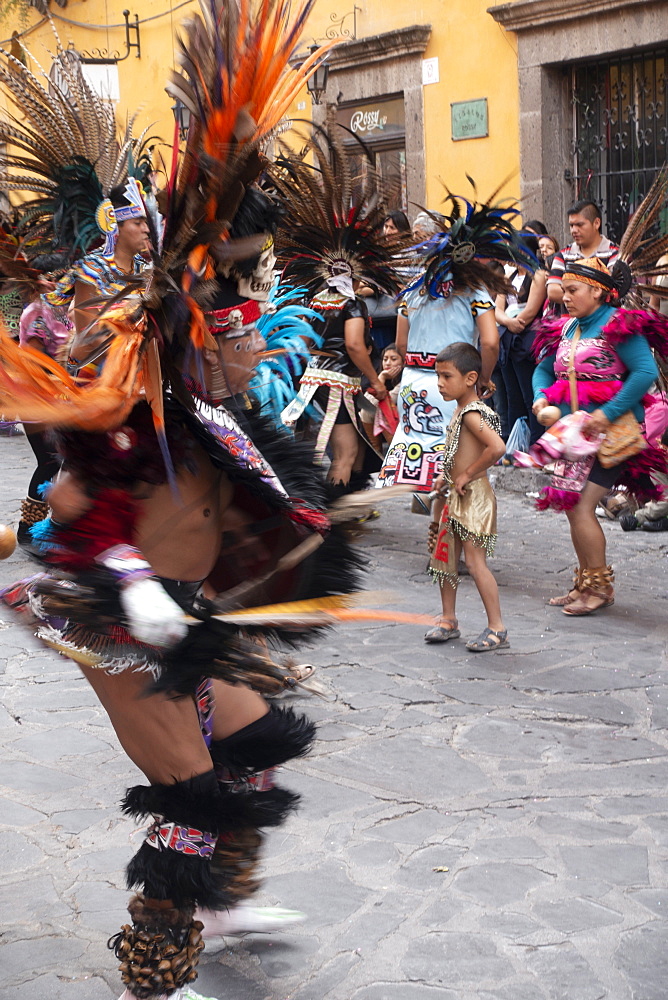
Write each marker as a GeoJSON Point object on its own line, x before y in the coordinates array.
{"type": "Point", "coordinates": [641, 246]}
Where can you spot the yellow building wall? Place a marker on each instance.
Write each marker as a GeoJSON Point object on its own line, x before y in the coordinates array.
{"type": "Point", "coordinates": [477, 58]}
{"type": "Point", "coordinates": [141, 81]}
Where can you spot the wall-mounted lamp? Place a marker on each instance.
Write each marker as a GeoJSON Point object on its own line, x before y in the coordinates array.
{"type": "Point", "coordinates": [317, 84]}
{"type": "Point", "coordinates": [182, 118]}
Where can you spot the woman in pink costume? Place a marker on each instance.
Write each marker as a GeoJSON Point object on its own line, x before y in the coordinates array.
{"type": "Point", "coordinates": [608, 350]}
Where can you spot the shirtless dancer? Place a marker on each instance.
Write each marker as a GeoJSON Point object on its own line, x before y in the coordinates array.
{"type": "Point", "coordinates": [115, 513]}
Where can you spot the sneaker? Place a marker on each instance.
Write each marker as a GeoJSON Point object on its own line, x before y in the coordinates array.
{"type": "Point", "coordinates": [189, 994]}
{"type": "Point", "coordinates": [245, 919]}
{"type": "Point", "coordinates": [186, 993]}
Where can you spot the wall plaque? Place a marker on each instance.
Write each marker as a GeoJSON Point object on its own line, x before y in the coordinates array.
{"type": "Point", "coordinates": [469, 119]}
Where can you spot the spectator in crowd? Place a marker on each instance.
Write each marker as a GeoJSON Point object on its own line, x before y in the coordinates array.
{"type": "Point", "coordinates": [396, 224]}
{"type": "Point", "coordinates": [548, 246]}
{"type": "Point", "coordinates": [46, 329]}
{"type": "Point", "coordinates": [519, 312]}
{"type": "Point", "coordinates": [584, 223]}
{"type": "Point", "coordinates": [536, 227]}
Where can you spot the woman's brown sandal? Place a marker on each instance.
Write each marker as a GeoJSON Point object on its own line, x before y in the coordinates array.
{"type": "Point", "coordinates": [596, 592]}
{"type": "Point", "coordinates": [572, 595]}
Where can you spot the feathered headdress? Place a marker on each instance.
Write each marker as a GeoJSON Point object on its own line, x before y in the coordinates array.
{"type": "Point", "coordinates": [636, 268]}
{"type": "Point", "coordinates": [237, 81]}
{"type": "Point", "coordinates": [288, 330]}
{"type": "Point", "coordinates": [330, 235]}
{"type": "Point", "coordinates": [65, 152]}
{"type": "Point", "coordinates": [473, 232]}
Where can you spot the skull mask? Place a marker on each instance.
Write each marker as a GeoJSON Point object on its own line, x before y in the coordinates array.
{"type": "Point", "coordinates": [258, 284]}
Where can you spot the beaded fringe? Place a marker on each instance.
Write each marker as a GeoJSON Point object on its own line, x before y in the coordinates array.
{"type": "Point", "coordinates": [486, 542]}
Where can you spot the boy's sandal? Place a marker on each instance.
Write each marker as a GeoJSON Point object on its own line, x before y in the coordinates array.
{"type": "Point", "coordinates": [484, 643]}
{"type": "Point", "coordinates": [441, 633]}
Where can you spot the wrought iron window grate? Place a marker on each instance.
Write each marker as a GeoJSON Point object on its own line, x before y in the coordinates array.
{"type": "Point", "coordinates": [620, 132]}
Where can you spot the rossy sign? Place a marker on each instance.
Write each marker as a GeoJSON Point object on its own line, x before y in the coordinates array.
{"type": "Point", "coordinates": [367, 121]}
{"type": "Point", "coordinates": [382, 118]}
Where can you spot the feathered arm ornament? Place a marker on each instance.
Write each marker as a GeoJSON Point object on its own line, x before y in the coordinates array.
{"type": "Point", "coordinates": [289, 334]}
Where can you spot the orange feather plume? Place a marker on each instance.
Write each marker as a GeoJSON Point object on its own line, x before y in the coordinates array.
{"type": "Point", "coordinates": [34, 388]}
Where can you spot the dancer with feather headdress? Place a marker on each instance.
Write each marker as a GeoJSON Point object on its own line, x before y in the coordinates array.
{"type": "Point", "coordinates": [158, 494]}
{"type": "Point", "coordinates": [65, 154]}
{"type": "Point", "coordinates": [330, 242]}
{"type": "Point", "coordinates": [451, 300]}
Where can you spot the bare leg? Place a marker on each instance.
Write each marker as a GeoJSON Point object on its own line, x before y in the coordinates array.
{"type": "Point", "coordinates": [586, 532]}
{"type": "Point", "coordinates": [476, 562]}
{"type": "Point", "coordinates": [596, 590]}
{"type": "Point", "coordinates": [449, 594]}
{"type": "Point", "coordinates": [344, 442]}
{"type": "Point", "coordinates": [160, 735]}
{"type": "Point", "coordinates": [236, 707]}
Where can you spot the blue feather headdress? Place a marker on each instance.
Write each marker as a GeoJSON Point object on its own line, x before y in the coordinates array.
{"type": "Point", "coordinates": [289, 330]}
{"type": "Point", "coordinates": [474, 233]}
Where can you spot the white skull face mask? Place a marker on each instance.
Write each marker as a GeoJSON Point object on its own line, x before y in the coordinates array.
{"type": "Point", "coordinates": [341, 278]}
{"type": "Point", "coordinates": [258, 284]}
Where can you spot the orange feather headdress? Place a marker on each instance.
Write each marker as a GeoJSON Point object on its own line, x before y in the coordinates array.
{"type": "Point", "coordinates": [237, 81]}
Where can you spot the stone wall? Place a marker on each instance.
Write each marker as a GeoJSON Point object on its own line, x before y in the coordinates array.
{"type": "Point", "coordinates": [553, 34]}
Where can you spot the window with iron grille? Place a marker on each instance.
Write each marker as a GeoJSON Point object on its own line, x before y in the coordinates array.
{"type": "Point", "coordinates": [620, 130]}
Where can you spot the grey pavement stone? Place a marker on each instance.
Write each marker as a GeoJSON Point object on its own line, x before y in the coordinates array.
{"type": "Point", "coordinates": [403, 991]}
{"type": "Point", "coordinates": [575, 915]}
{"type": "Point", "coordinates": [34, 779]}
{"type": "Point", "coordinates": [24, 958]}
{"type": "Point", "coordinates": [32, 900]}
{"type": "Point", "coordinates": [418, 872]}
{"type": "Point", "coordinates": [77, 820]}
{"type": "Point", "coordinates": [516, 991]}
{"type": "Point", "coordinates": [619, 864]}
{"type": "Point", "coordinates": [397, 765]}
{"type": "Point", "coordinates": [498, 885]}
{"type": "Point", "coordinates": [643, 958]}
{"type": "Point", "coordinates": [18, 854]}
{"type": "Point", "coordinates": [511, 848]}
{"type": "Point", "coordinates": [456, 959]}
{"type": "Point", "coordinates": [564, 974]}
{"type": "Point", "coordinates": [14, 814]}
{"type": "Point", "coordinates": [630, 805]}
{"type": "Point", "coordinates": [569, 828]}
{"type": "Point", "coordinates": [305, 890]}
{"type": "Point", "coordinates": [54, 988]}
{"type": "Point", "coordinates": [54, 744]}
{"type": "Point", "coordinates": [536, 775]}
{"type": "Point", "coordinates": [416, 828]}
{"type": "Point", "coordinates": [655, 900]}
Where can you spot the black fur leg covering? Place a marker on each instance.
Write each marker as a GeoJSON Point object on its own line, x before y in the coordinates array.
{"type": "Point", "coordinates": [174, 862]}
{"type": "Point", "coordinates": [242, 761]}
{"type": "Point", "coordinates": [160, 951]}
{"type": "Point", "coordinates": [277, 737]}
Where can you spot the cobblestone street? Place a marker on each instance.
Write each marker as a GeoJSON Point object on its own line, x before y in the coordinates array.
{"type": "Point", "coordinates": [486, 827]}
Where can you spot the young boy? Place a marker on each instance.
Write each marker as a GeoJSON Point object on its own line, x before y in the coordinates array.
{"type": "Point", "coordinates": [468, 515]}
